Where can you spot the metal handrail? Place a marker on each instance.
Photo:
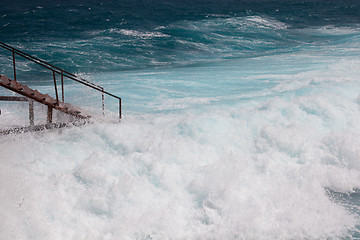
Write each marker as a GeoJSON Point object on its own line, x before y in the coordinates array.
{"type": "Point", "coordinates": [60, 71]}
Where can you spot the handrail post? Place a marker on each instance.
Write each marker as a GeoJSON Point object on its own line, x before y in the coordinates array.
{"type": "Point", "coordinates": [56, 91]}
{"type": "Point", "coordinates": [62, 85]}
{"type": "Point", "coordinates": [103, 101]}
{"type": "Point", "coordinates": [119, 108]}
{"type": "Point", "coordinates": [13, 55]}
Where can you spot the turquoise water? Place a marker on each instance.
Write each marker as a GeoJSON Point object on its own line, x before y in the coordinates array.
{"type": "Point", "coordinates": [240, 121]}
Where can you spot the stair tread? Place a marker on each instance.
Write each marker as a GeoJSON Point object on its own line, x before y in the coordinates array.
{"type": "Point", "coordinates": [5, 79]}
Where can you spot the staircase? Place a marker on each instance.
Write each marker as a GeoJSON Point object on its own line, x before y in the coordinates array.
{"type": "Point", "coordinates": [45, 99]}
{"type": "Point", "coordinates": [32, 95]}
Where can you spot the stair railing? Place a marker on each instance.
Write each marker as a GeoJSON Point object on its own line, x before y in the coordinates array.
{"type": "Point", "coordinates": [62, 73]}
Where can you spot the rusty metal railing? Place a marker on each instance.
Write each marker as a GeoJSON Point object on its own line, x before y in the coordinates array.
{"type": "Point", "coordinates": [62, 73]}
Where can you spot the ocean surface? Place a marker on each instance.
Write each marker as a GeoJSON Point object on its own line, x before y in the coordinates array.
{"type": "Point", "coordinates": [241, 120]}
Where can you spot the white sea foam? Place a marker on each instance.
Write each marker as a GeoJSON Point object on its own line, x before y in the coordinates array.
{"type": "Point", "coordinates": [238, 22]}
{"type": "Point", "coordinates": [264, 22]}
{"type": "Point", "coordinates": [136, 33]}
{"type": "Point", "coordinates": [237, 173]}
{"type": "Point", "coordinates": [333, 30]}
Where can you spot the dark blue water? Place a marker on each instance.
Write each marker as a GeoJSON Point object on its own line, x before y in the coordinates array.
{"type": "Point", "coordinates": [240, 121]}
{"type": "Point", "coordinates": [116, 35]}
